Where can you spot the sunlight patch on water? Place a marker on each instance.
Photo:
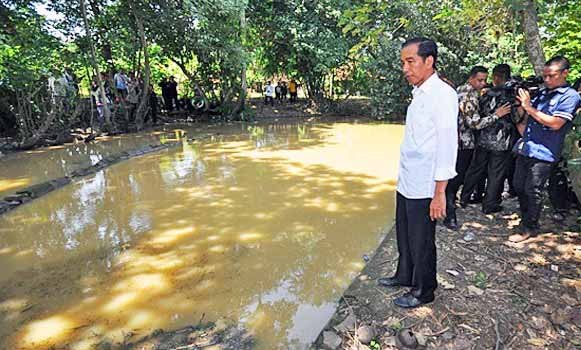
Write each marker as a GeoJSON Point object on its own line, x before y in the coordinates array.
{"type": "Point", "coordinates": [257, 228]}
{"type": "Point", "coordinates": [120, 301]}
{"type": "Point", "coordinates": [48, 330]}
{"type": "Point", "coordinates": [7, 185]}
{"type": "Point", "coordinates": [173, 235]}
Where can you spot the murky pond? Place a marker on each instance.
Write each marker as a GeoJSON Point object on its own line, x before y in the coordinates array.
{"type": "Point", "coordinates": [264, 229]}
{"type": "Point", "coordinates": [22, 169]}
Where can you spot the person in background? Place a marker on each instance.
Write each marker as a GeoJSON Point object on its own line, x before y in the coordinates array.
{"type": "Point", "coordinates": [269, 94]}
{"type": "Point", "coordinates": [278, 92]}
{"type": "Point", "coordinates": [292, 89]}
{"type": "Point", "coordinates": [172, 91]}
{"type": "Point", "coordinates": [283, 91]}
{"type": "Point", "coordinates": [121, 82]}
{"type": "Point", "coordinates": [152, 100]}
{"type": "Point", "coordinates": [163, 84]}
{"type": "Point", "coordinates": [496, 124]}
{"type": "Point", "coordinates": [548, 118]}
{"type": "Point", "coordinates": [468, 96]}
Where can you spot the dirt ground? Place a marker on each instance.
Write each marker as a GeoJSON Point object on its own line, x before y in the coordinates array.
{"type": "Point", "coordinates": [492, 294]}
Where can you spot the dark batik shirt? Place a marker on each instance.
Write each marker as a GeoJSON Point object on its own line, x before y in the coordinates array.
{"type": "Point", "coordinates": [468, 110]}
{"type": "Point", "coordinates": [496, 134]}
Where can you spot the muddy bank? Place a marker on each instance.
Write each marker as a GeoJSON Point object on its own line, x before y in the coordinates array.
{"type": "Point", "coordinates": [492, 294]}
{"type": "Point", "coordinates": [203, 336]}
{"type": "Point", "coordinates": [38, 190]}
{"type": "Point", "coordinates": [258, 112]}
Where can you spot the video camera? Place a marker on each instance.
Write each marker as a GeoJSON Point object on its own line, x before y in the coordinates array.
{"type": "Point", "coordinates": [509, 91]}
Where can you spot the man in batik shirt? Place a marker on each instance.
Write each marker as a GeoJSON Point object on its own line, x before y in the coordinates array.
{"type": "Point", "coordinates": [468, 95]}
{"type": "Point", "coordinates": [497, 125]}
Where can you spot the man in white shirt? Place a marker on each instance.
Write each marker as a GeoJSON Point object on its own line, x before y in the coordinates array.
{"type": "Point", "coordinates": [269, 94]}
{"type": "Point", "coordinates": [427, 162]}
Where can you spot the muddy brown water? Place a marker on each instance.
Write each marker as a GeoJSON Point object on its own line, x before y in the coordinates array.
{"type": "Point", "coordinates": [22, 169]}
{"type": "Point", "coordinates": [264, 229]}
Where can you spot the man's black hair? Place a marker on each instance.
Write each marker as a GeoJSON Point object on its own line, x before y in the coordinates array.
{"type": "Point", "coordinates": [561, 61]}
{"type": "Point", "coordinates": [502, 70]}
{"type": "Point", "coordinates": [426, 47]}
{"type": "Point", "coordinates": [477, 69]}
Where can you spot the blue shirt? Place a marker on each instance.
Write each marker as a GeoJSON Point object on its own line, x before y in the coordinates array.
{"type": "Point", "coordinates": [540, 141]}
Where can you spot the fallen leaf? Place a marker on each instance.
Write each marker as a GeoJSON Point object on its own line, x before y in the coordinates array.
{"type": "Point", "coordinates": [536, 342]}
{"type": "Point", "coordinates": [475, 291]}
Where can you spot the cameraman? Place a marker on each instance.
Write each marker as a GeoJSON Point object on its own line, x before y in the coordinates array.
{"type": "Point", "coordinates": [549, 117]}
{"type": "Point", "coordinates": [496, 122]}
{"type": "Point", "coordinates": [468, 95]}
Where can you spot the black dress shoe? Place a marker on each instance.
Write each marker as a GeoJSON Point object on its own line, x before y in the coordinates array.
{"type": "Point", "coordinates": [475, 200]}
{"type": "Point", "coordinates": [408, 301]}
{"type": "Point", "coordinates": [390, 282]}
{"type": "Point", "coordinates": [492, 210]}
{"type": "Point", "coordinates": [451, 224]}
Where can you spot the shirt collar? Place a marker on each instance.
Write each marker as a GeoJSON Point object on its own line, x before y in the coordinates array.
{"type": "Point", "coordinates": [560, 90]}
{"type": "Point", "coordinates": [427, 85]}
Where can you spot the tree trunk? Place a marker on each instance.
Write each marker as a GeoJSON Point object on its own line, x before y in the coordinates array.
{"type": "Point", "coordinates": [106, 112]}
{"type": "Point", "coordinates": [141, 110]}
{"type": "Point", "coordinates": [244, 84]}
{"type": "Point", "coordinates": [532, 36]}
{"type": "Point", "coordinates": [192, 80]}
{"type": "Point", "coordinates": [106, 50]}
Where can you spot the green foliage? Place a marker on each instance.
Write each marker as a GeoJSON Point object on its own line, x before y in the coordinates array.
{"type": "Point", "coordinates": [480, 280]}
{"type": "Point", "coordinates": [381, 27]}
{"type": "Point", "coordinates": [204, 43]}
{"type": "Point", "coordinates": [299, 39]}
{"type": "Point", "coordinates": [563, 32]}
{"type": "Point", "coordinates": [27, 51]}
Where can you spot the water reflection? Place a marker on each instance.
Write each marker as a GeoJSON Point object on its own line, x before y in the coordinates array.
{"type": "Point", "coordinates": [22, 169]}
{"type": "Point", "coordinates": [268, 236]}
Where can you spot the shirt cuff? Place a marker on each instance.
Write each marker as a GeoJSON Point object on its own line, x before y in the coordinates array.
{"type": "Point", "coordinates": [443, 174]}
{"type": "Point", "coordinates": [564, 115]}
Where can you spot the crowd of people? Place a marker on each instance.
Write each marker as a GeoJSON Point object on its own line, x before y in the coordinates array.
{"type": "Point", "coordinates": [281, 92]}
{"type": "Point", "coordinates": [480, 139]}
{"type": "Point", "coordinates": [508, 142]}
{"type": "Point", "coordinates": [127, 90]}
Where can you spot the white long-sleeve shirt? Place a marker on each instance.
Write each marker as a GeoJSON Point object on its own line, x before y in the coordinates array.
{"type": "Point", "coordinates": [430, 145]}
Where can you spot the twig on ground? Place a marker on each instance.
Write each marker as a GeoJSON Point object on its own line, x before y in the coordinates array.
{"type": "Point", "coordinates": [486, 253]}
{"type": "Point", "coordinates": [187, 347]}
{"type": "Point", "coordinates": [385, 262]}
{"type": "Point", "coordinates": [387, 295]}
{"type": "Point", "coordinates": [511, 341]}
{"type": "Point", "coordinates": [471, 329]}
{"type": "Point", "coordinates": [438, 332]}
{"type": "Point", "coordinates": [498, 340]}
{"type": "Point", "coordinates": [455, 313]}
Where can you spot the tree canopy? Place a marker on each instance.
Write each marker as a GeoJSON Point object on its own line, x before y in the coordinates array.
{"type": "Point", "coordinates": [217, 48]}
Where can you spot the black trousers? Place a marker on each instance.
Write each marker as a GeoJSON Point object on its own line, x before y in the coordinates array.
{"type": "Point", "coordinates": [530, 178]}
{"type": "Point", "coordinates": [493, 165]}
{"type": "Point", "coordinates": [462, 163]}
{"type": "Point", "coordinates": [559, 192]}
{"type": "Point", "coordinates": [416, 244]}
{"type": "Point", "coordinates": [510, 173]}
{"type": "Point", "coordinates": [475, 174]}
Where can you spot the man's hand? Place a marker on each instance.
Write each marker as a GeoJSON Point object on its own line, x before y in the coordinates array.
{"type": "Point", "coordinates": [438, 206]}
{"type": "Point", "coordinates": [502, 110]}
{"type": "Point", "coordinates": [525, 98]}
